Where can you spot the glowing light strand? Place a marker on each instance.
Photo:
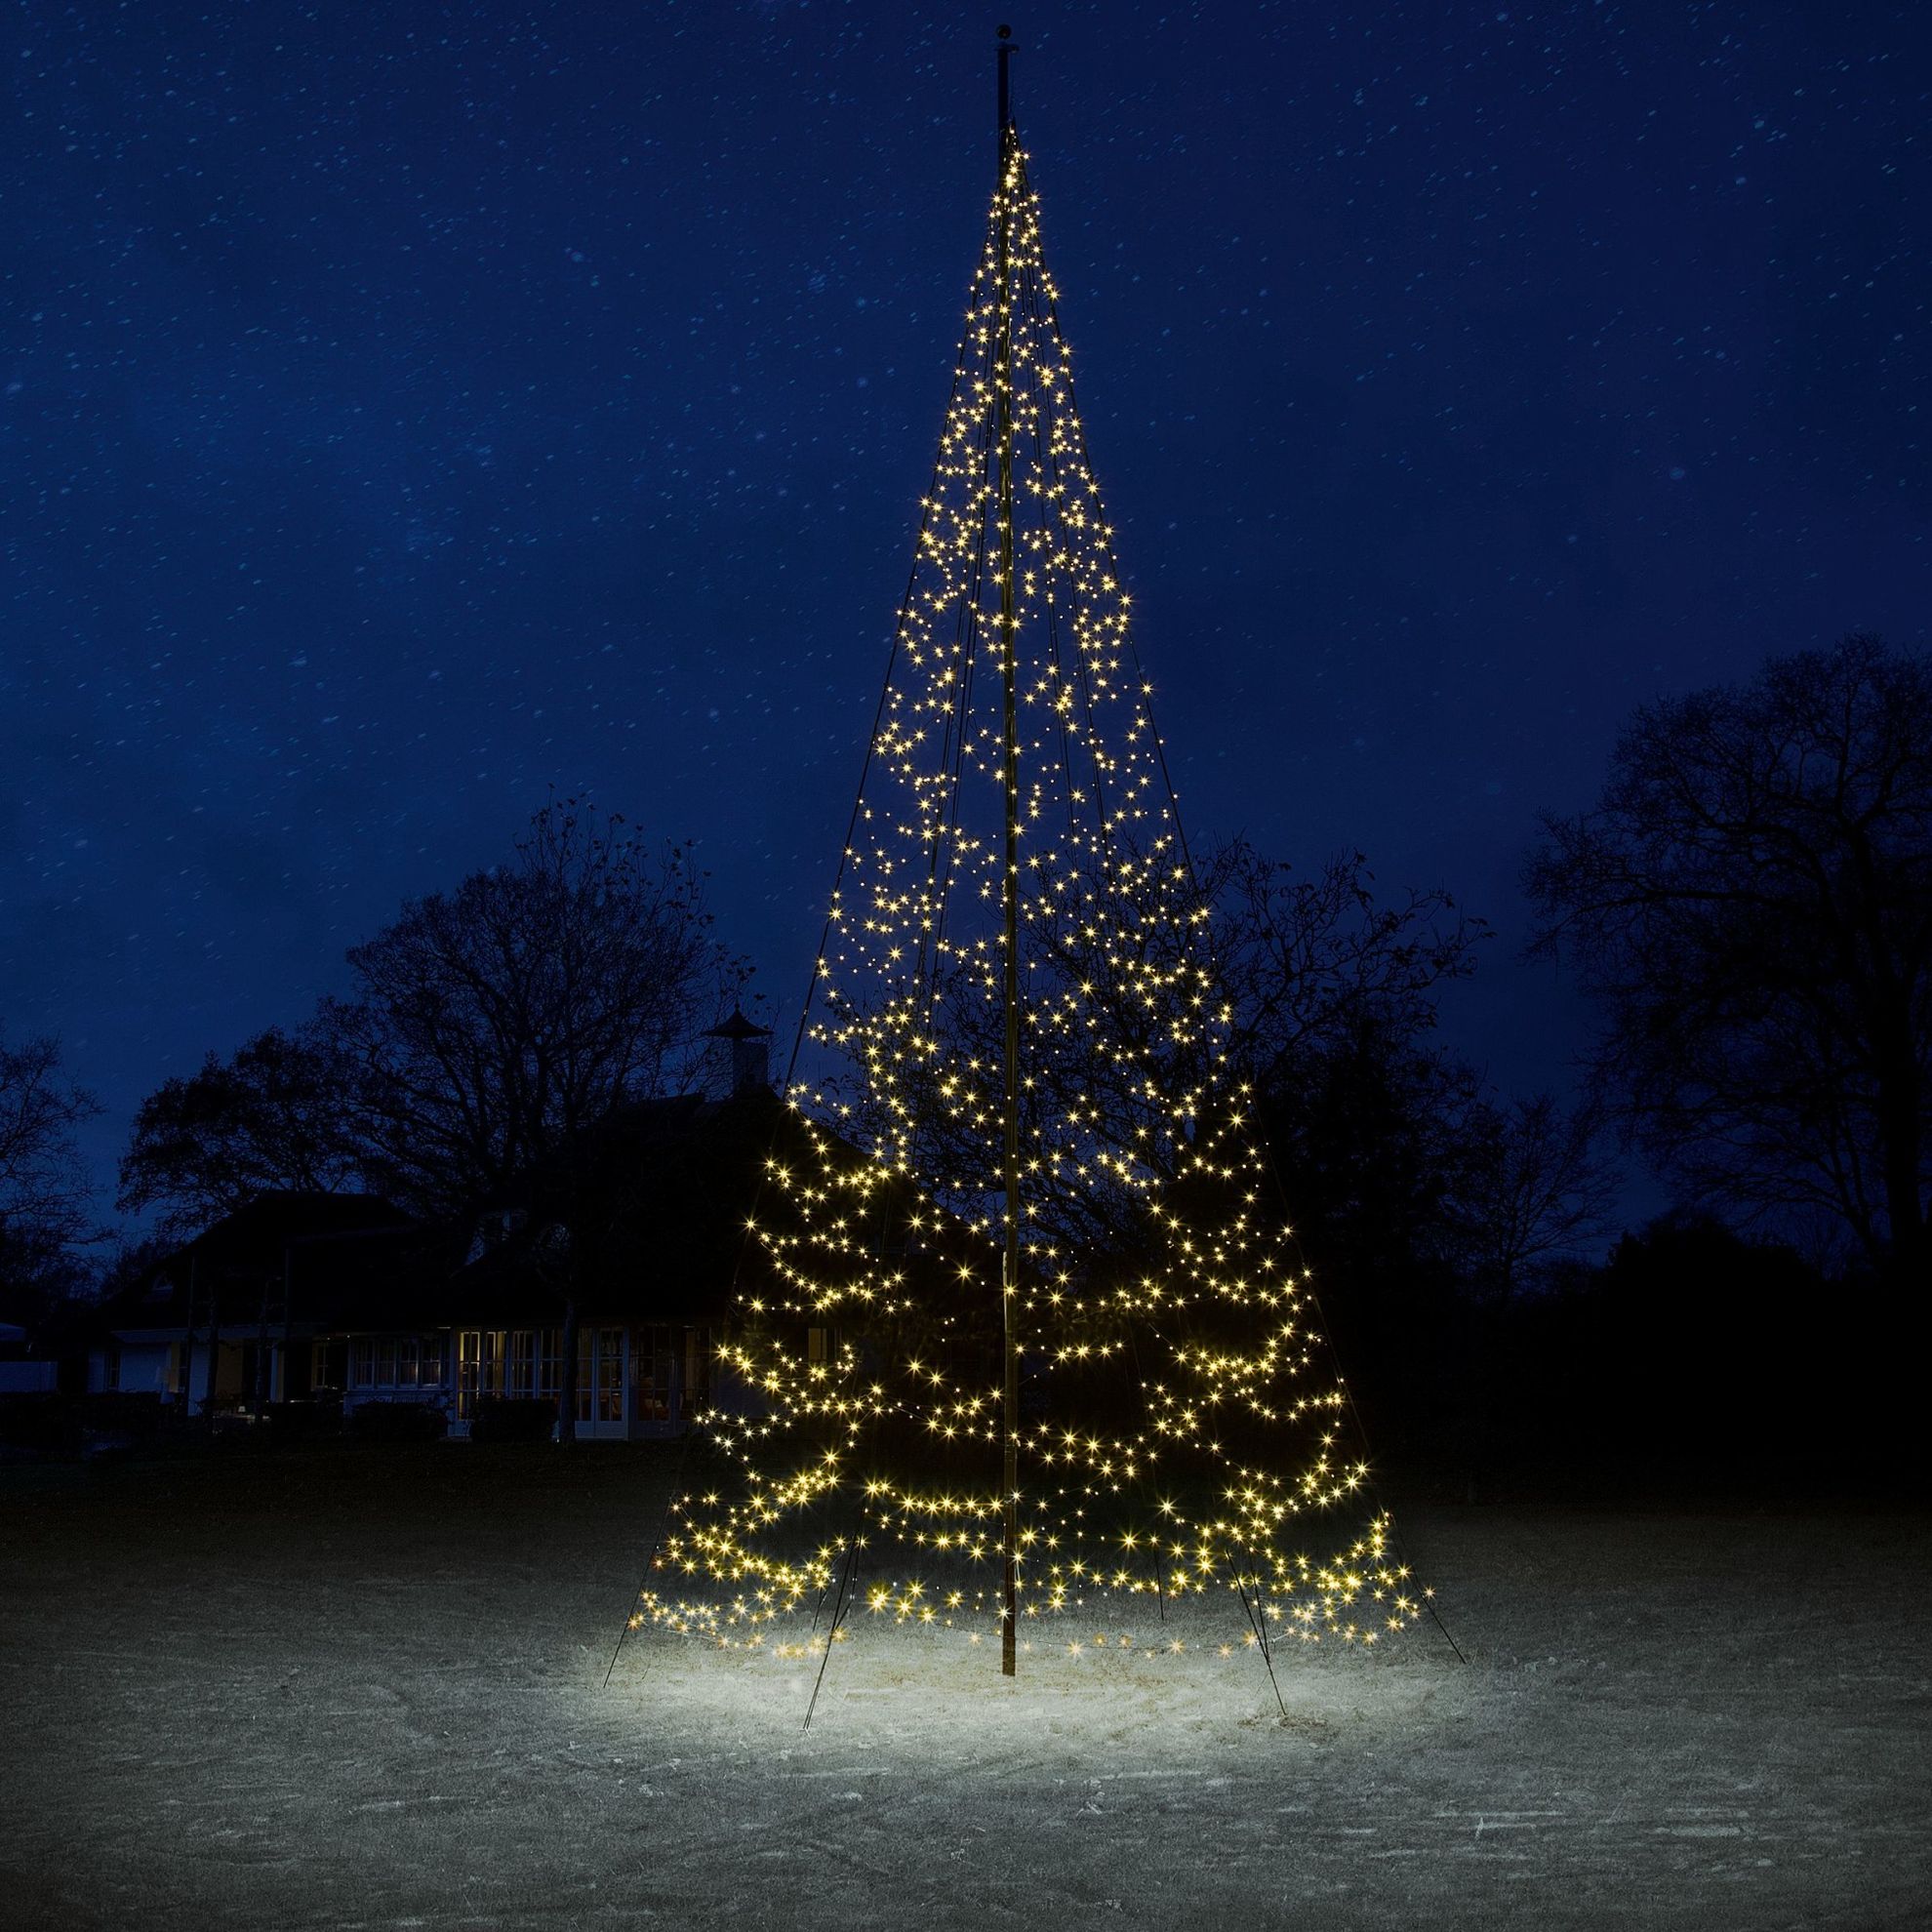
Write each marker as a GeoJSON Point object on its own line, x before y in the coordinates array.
{"type": "Point", "coordinates": [1182, 1435]}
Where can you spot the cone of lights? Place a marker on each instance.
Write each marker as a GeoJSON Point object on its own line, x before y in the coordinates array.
{"type": "Point", "coordinates": [1021, 1333]}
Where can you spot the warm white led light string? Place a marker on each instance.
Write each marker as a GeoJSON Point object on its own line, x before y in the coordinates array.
{"type": "Point", "coordinates": [1182, 1432]}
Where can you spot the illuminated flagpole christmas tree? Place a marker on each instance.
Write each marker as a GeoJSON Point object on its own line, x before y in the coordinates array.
{"type": "Point", "coordinates": [1020, 1330]}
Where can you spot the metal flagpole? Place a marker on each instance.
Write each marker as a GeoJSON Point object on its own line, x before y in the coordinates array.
{"type": "Point", "coordinates": [1010, 885]}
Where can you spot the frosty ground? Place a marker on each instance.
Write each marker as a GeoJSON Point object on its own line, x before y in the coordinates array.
{"type": "Point", "coordinates": [364, 1687]}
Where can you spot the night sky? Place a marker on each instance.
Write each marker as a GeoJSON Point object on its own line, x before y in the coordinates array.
{"type": "Point", "coordinates": [408, 410]}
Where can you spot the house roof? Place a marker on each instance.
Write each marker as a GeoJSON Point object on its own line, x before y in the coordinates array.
{"type": "Point", "coordinates": [662, 1207]}
{"type": "Point", "coordinates": [395, 1278]}
{"type": "Point", "coordinates": [259, 1234]}
{"type": "Point", "coordinates": [661, 1212]}
{"type": "Point", "coordinates": [273, 1239]}
{"type": "Point", "coordinates": [737, 1028]}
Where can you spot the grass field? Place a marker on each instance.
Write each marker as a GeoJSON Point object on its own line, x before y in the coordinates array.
{"type": "Point", "coordinates": [364, 1687]}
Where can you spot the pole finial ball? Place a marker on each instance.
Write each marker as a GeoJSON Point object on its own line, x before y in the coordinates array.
{"type": "Point", "coordinates": [1006, 33]}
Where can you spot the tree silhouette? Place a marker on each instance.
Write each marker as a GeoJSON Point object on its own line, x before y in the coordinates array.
{"type": "Point", "coordinates": [43, 1180]}
{"type": "Point", "coordinates": [1750, 902]}
{"type": "Point", "coordinates": [491, 1039]}
{"type": "Point", "coordinates": [44, 1194]}
{"type": "Point", "coordinates": [279, 1112]}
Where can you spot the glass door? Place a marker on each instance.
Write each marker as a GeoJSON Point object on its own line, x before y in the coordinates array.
{"type": "Point", "coordinates": [652, 1368]}
{"type": "Point", "coordinates": [609, 1376]}
{"type": "Point", "coordinates": [600, 1382]}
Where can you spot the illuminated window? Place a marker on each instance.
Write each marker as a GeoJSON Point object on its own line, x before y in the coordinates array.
{"type": "Point", "coordinates": [468, 1347]}
{"type": "Point", "coordinates": [521, 1383]}
{"type": "Point", "coordinates": [479, 1368]}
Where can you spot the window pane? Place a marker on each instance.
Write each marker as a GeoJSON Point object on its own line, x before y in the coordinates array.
{"type": "Point", "coordinates": [650, 1369]}
{"type": "Point", "coordinates": [609, 1375]}
{"type": "Point", "coordinates": [469, 1354]}
{"type": "Point", "coordinates": [522, 1364]}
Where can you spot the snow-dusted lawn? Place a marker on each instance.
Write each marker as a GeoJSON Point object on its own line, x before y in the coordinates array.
{"type": "Point", "coordinates": [340, 1688]}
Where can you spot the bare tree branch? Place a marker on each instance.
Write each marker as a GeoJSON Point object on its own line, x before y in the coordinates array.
{"type": "Point", "coordinates": [1751, 905]}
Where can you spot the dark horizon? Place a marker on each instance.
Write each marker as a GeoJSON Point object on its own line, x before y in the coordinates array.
{"type": "Point", "coordinates": [413, 424]}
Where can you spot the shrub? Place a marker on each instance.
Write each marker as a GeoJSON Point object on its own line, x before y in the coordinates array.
{"type": "Point", "coordinates": [503, 1419]}
{"type": "Point", "coordinates": [47, 1425]}
{"type": "Point", "coordinates": [309, 1421]}
{"type": "Point", "coordinates": [398, 1421]}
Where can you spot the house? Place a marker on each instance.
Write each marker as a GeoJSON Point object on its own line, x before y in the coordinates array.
{"type": "Point", "coordinates": [330, 1299]}
{"type": "Point", "coordinates": [660, 1235]}
{"type": "Point", "coordinates": [22, 1371]}
{"type": "Point", "coordinates": [230, 1319]}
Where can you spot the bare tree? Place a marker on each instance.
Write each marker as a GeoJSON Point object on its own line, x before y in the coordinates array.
{"type": "Point", "coordinates": [1534, 1186]}
{"type": "Point", "coordinates": [1750, 901]}
{"type": "Point", "coordinates": [494, 1025]}
{"type": "Point", "coordinates": [1397, 1155]}
{"type": "Point", "coordinates": [44, 1190]}
{"type": "Point", "coordinates": [43, 1181]}
{"type": "Point", "coordinates": [275, 1115]}
{"type": "Point", "coordinates": [1307, 963]}
{"type": "Point", "coordinates": [494, 1029]}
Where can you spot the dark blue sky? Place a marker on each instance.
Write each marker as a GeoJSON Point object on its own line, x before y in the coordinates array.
{"type": "Point", "coordinates": [409, 408]}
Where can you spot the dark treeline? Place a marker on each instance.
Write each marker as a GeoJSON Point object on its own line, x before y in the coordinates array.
{"type": "Point", "coordinates": [1748, 903]}
{"type": "Point", "coordinates": [488, 1038]}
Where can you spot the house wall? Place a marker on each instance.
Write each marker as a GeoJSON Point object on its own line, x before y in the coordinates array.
{"type": "Point", "coordinates": [142, 1368]}
{"type": "Point", "coordinates": [666, 1379]}
{"type": "Point", "coordinates": [514, 1364]}
{"type": "Point", "coordinates": [154, 1368]}
{"type": "Point", "coordinates": [228, 1383]}
{"type": "Point", "coordinates": [389, 1367]}
{"type": "Point", "coordinates": [635, 1381]}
